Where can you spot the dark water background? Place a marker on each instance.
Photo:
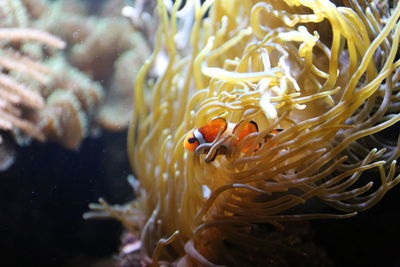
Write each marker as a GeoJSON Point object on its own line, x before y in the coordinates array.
{"type": "Point", "coordinates": [44, 194]}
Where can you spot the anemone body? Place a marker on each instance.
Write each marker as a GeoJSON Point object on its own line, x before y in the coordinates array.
{"type": "Point", "coordinates": [326, 73]}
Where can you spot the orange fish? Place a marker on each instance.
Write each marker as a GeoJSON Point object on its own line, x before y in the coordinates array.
{"type": "Point", "coordinates": [205, 134]}
{"type": "Point", "coordinates": [219, 126]}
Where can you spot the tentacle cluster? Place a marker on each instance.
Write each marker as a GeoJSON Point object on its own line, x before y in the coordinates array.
{"type": "Point", "coordinates": [326, 73]}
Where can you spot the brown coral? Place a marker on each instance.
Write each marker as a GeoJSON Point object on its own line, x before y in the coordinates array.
{"type": "Point", "coordinates": [101, 49]}
{"type": "Point", "coordinates": [16, 94]}
{"type": "Point", "coordinates": [105, 47]}
{"type": "Point", "coordinates": [41, 94]}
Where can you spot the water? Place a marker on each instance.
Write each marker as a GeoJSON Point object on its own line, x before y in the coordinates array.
{"type": "Point", "coordinates": [43, 197]}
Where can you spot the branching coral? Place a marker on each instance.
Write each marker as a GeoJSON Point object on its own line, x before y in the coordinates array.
{"type": "Point", "coordinates": [103, 46]}
{"type": "Point", "coordinates": [15, 94]}
{"type": "Point", "coordinates": [41, 94]}
{"type": "Point", "coordinates": [59, 95]}
{"type": "Point", "coordinates": [326, 74]}
{"type": "Point", "coordinates": [22, 75]}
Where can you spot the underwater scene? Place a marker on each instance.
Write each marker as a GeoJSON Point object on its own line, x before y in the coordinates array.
{"type": "Point", "coordinates": [199, 133]}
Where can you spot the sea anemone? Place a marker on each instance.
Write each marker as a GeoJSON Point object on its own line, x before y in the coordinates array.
{"type": "Point", "coordinates": [326, 73]}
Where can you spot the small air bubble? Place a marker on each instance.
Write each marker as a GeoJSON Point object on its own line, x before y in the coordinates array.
{"type": "Point", "coordinates": [75, 35]}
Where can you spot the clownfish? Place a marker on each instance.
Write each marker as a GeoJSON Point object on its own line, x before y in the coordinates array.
{"type": "Point", "coordinates": [219, 127]}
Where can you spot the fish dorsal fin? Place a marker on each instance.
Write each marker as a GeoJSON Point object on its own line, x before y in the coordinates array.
{"type": "Point", "coordinates": [272, 133]}
{"type": "Point", "coordinates": [211, 130]}
{"type": "Point", "coordinates": [250, 127]}
{"type": "Point", "coordinates": [276, 131]}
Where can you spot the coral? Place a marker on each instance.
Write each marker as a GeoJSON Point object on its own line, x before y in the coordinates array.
{"type": "Point", "coordinates": [41, 94]}
{"type": "Point", "coordinates": [60, 95]}
{"type": "Point", "coordinates": [16, 67]}
{"type": "Point", "coordinates": [22, 75]}
{"type": "Point", "coordinates": [326, 73]}
{"type": "Point", "coordinates": [105, 47]}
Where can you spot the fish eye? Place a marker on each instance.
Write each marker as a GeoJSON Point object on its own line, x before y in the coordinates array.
{"type": "Point", "coordinates": [191, 140]}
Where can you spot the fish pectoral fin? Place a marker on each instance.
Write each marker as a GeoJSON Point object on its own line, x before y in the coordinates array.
{"type": "Point", "coordinates": [212, 154]}
{"type": "Point", "coordinates": [203, 149]}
